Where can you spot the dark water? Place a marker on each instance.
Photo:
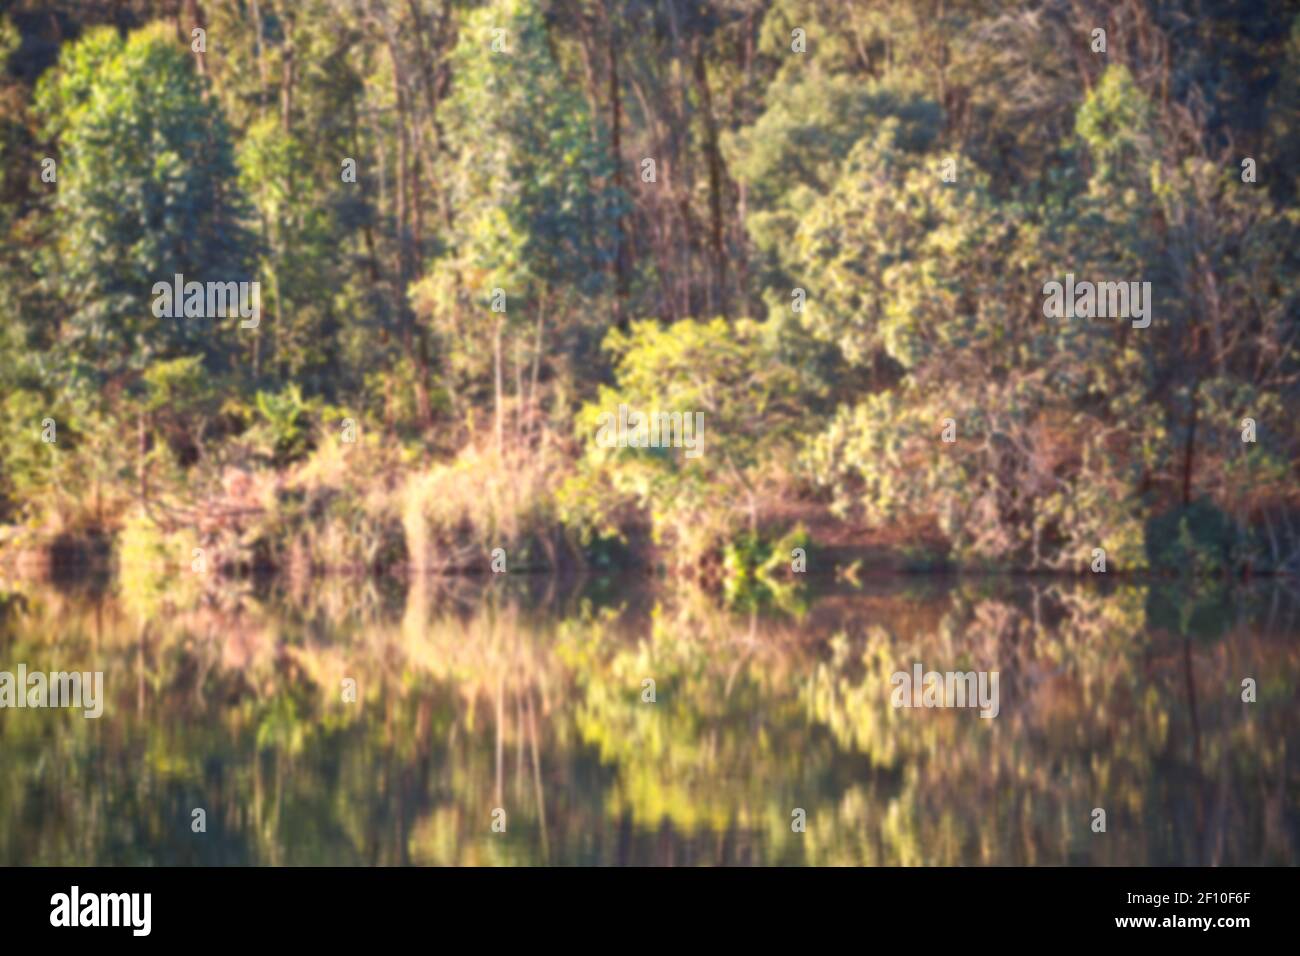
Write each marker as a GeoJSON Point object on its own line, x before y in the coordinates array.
{"type": "Point", "coordinates": [524, 696]}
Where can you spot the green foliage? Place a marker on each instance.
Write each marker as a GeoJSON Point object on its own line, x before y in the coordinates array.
{"type": "Point", "coordinates": [146, 191]}
{"type": "Point", "coordinates": [303, 255]}
{"type": "Point", "coordinates": [729, 374]}
{"type": "Point", "coordinates": [757, 569]}
{"type": "Point", "coordinates": [535, 208]}
{"type": "Point", "coordinates": [1198, 539]}
{"type": "Point", "coordinates": [886, 205]}
{"type": "Point", "coordinates": [285, 425]}
{"type": "Point", "coordinates": [527, 160]}
{"type": "Point", "coordinates": [9, 40]}
{"type": "Point", "coordinates": [794, 153]}
{"type": "Point", "coordinates": [74, 483]}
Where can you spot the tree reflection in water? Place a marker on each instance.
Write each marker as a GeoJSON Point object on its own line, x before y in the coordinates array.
{"type": "Point", "coordinates": [528, 697]}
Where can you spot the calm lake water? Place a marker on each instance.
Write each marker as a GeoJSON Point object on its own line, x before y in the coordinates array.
{"type": "Point", "coordinates": [527, 696]}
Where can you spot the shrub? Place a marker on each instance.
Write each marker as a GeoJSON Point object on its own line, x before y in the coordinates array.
{"type": "Point", "coordinates": [456, 513]}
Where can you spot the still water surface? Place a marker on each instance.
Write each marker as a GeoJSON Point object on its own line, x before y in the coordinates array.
{"type": "Point", "coordinates": [528, 697]}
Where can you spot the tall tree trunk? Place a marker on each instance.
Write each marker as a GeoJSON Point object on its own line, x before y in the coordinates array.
{"type": "Point", "coordinates": [620, 181]}
{"type": "Point", "coordinates": [260, 38]}
{"type": "Point", "coordinates": [1189, 451]}
{"type": "Point", "coordinates": [367, 232]}
{"type": "Point", "coordinates": [406, 193]}
{"type": "Point", "coordinates": [193, 17]}
{"type": "Point", "coordinates": [715, 180]}
{"type": "Point", "coordinates": [287, 77]}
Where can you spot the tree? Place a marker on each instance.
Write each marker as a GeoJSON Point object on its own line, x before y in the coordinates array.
{"type": "Point", "coordinates": [725, 388]}
{"type": "Point", "coordinates": [534, 212]}
{"type": "Point", "coordinates": [146, 191]}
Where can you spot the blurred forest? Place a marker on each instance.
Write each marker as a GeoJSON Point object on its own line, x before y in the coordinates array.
{"type": "Point", "coordinates": [825, 224]}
